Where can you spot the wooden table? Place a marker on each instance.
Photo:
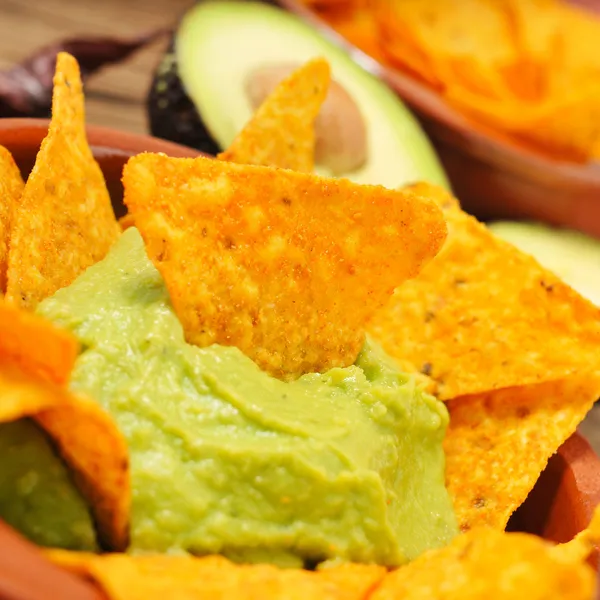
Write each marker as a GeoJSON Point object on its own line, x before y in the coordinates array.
{"type": "Point", "coordinates": [115, 97]}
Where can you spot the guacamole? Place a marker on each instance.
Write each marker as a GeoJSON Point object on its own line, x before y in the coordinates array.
{"type": "Point", "coordinates": [225, 459]}
{"type": "Point", "coordinates": [37, 496]}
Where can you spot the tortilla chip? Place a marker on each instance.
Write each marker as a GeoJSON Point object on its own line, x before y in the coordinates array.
{"type": "Point", "coordinates": [281, 132]}
{"type": "Point", "coordinates": [444, 32]}
{"type": "Point", "coordinates": [126, 222]}
{"type": "Point", "coordinates": [527, 69]}
{"type": "Point", "coordinates": [87, 439]}
{"type": "Point", "coordinates": [485, 563]}
{"type": "Point", "coordinates": [565, 126]}
{"type": "Point", "coordinates": [499, 442]}
{"type": "Point", "coordinates": [64, 222]}
{"type": "Point", "coordinates": [288, 267]}
{"type": "Point", "coordinates": [357, 24]}
{"type": "Point", "coordinates": [36, 360]}
{"type": "Point", "coordinates": [155, 577]}
{"type": "Point", "coordinates": [35, 345]}
{"type": "Point", "coordinates": [11, 188]}
{"type": "Point", "coordinates": [92, 445]}
{"type": "Point", "coordinates": [484, 316]}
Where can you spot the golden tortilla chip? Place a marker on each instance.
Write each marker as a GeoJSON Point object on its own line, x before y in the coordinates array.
{"type": "Point", "coordinates": [281, 132]}
{"type": "Point", "coordinates": [528, 68]}
{"type": "Point", "coordinates": [155, 577]}
{"type": "Point", "coordinates": [288, 267]}
{"type": "Point", "coordinates": [126, 222]}
{"type": "Point", "coordinates": [87, 439]}
{"type": "Point", "coordinates": [11, 188]}
{"type": "Point", "coordinates": [64, 222]}
{"type": "Point", "coordinates": [485, 563]}
{"type": "Point", "coordinates": [357, 24]}
{"type": "Point", "coordinates": [35, 345]}
{"type": "Point", "coordinates": [499, 442]}
{"type": "Point", "coordinates": [443, 32]}
{"type": "Point", "coordinates": [36, 359]}
{"type": "Point", "coordinates": [565, 126]}
{"type": "Point", "coordinates": [484, 316]}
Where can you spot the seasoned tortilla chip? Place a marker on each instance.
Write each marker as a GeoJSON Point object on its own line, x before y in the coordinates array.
{"type": "Point", "coordinates": [126, 222]}
{"type": "Point", "coordinates": [485, 563]}
{"type": "Point", "coordinates": [281, 132]}
{"type": "Point", "coordinates": [288, 267]}
{"type": "Point", "coordinates": [36, 360]}
{"type": "Point", "coordinates": [35, 345]}
{"type": "Point", "coordinates": [484, 316]}
{"type": "Point", "coordinates": [86, 438]}
{"type": "Point", "coordinates": [156, 577]}
{"type": "Point", "coordinates": [64, 222]}
{"type": "Point", "coordinates": [499, 442]}
{"type": "Point", "coordinates": [11, 188]}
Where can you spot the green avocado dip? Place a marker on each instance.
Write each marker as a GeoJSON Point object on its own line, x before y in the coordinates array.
{"type": "Point", "coordinates": [37, 496]}
{"type": "Point", "coordinates": [345, 465]}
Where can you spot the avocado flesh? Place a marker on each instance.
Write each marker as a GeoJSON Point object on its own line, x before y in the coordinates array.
{"type": "Point", "coordinates": [219, 42]}
{"type": "Point", "coordinates": [571, 255]}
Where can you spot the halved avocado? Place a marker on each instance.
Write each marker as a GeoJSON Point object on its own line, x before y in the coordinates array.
{"type": "Point", "coordinates": [199, 97]}
{"type": "Point", "coordinates": [571, 255]}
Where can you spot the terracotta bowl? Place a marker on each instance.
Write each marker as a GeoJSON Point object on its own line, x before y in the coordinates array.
{"type": "Point", "coordinates": [493, 176]}
{"type": "Point", "coordinates": [560, 506]}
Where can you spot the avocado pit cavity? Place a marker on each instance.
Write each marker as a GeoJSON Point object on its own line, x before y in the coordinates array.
{"type": "Point", "coordinates": [340, 131]}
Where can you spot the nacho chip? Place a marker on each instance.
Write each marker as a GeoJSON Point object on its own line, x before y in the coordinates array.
{"type": "Point", "coordinates": [357, 24]}
{"type": "Point", "coordinates": [36, 359]}
{"type": "Point", "coordinates": [485, 563]}
{"type": "Point", "coordinates": [126, 222]}
{"type": "Point", "coordinates": [484, 316]}
{"type": "Point", "coordinates": [87, 439]}
{"type": "Point", "coordinates": [443, 32]}
{"type": "Point", "coordinates": [64, 222]}
{"type": "Point", "coordinates": [288, 267]}
{"type": "Point", "coordinates": [281, 132]}
{"type": "Point", "coordinates": [11, 188]}
{"type": "Point", "coordinates": [499, 442]}
{"type": "Point", "coordinates": [565, 126]}
{"type": "Point", "coordinates": [525, 69]}
{"type": "Point", "coordinates": [155, 577]}
{"type": "Point", "coordinates": [35, 345]}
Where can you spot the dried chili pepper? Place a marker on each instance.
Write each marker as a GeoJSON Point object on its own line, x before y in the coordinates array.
{"type": "Point", "coordinates": [26, 88]}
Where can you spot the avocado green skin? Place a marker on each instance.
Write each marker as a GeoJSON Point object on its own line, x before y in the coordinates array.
{"type": "Point", "coordinates": [171, 113]}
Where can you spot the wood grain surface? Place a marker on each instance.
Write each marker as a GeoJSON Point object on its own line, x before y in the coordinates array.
{"type": "Point", "coordinates": [115, 97]}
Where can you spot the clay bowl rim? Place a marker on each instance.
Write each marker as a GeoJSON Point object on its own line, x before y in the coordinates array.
{"type": "Point", "coordinates": [582, 464]}
{"type": "Point", "coordinates": [103, 140]}
{"type": "Point", "coordinates": [451, 126]}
